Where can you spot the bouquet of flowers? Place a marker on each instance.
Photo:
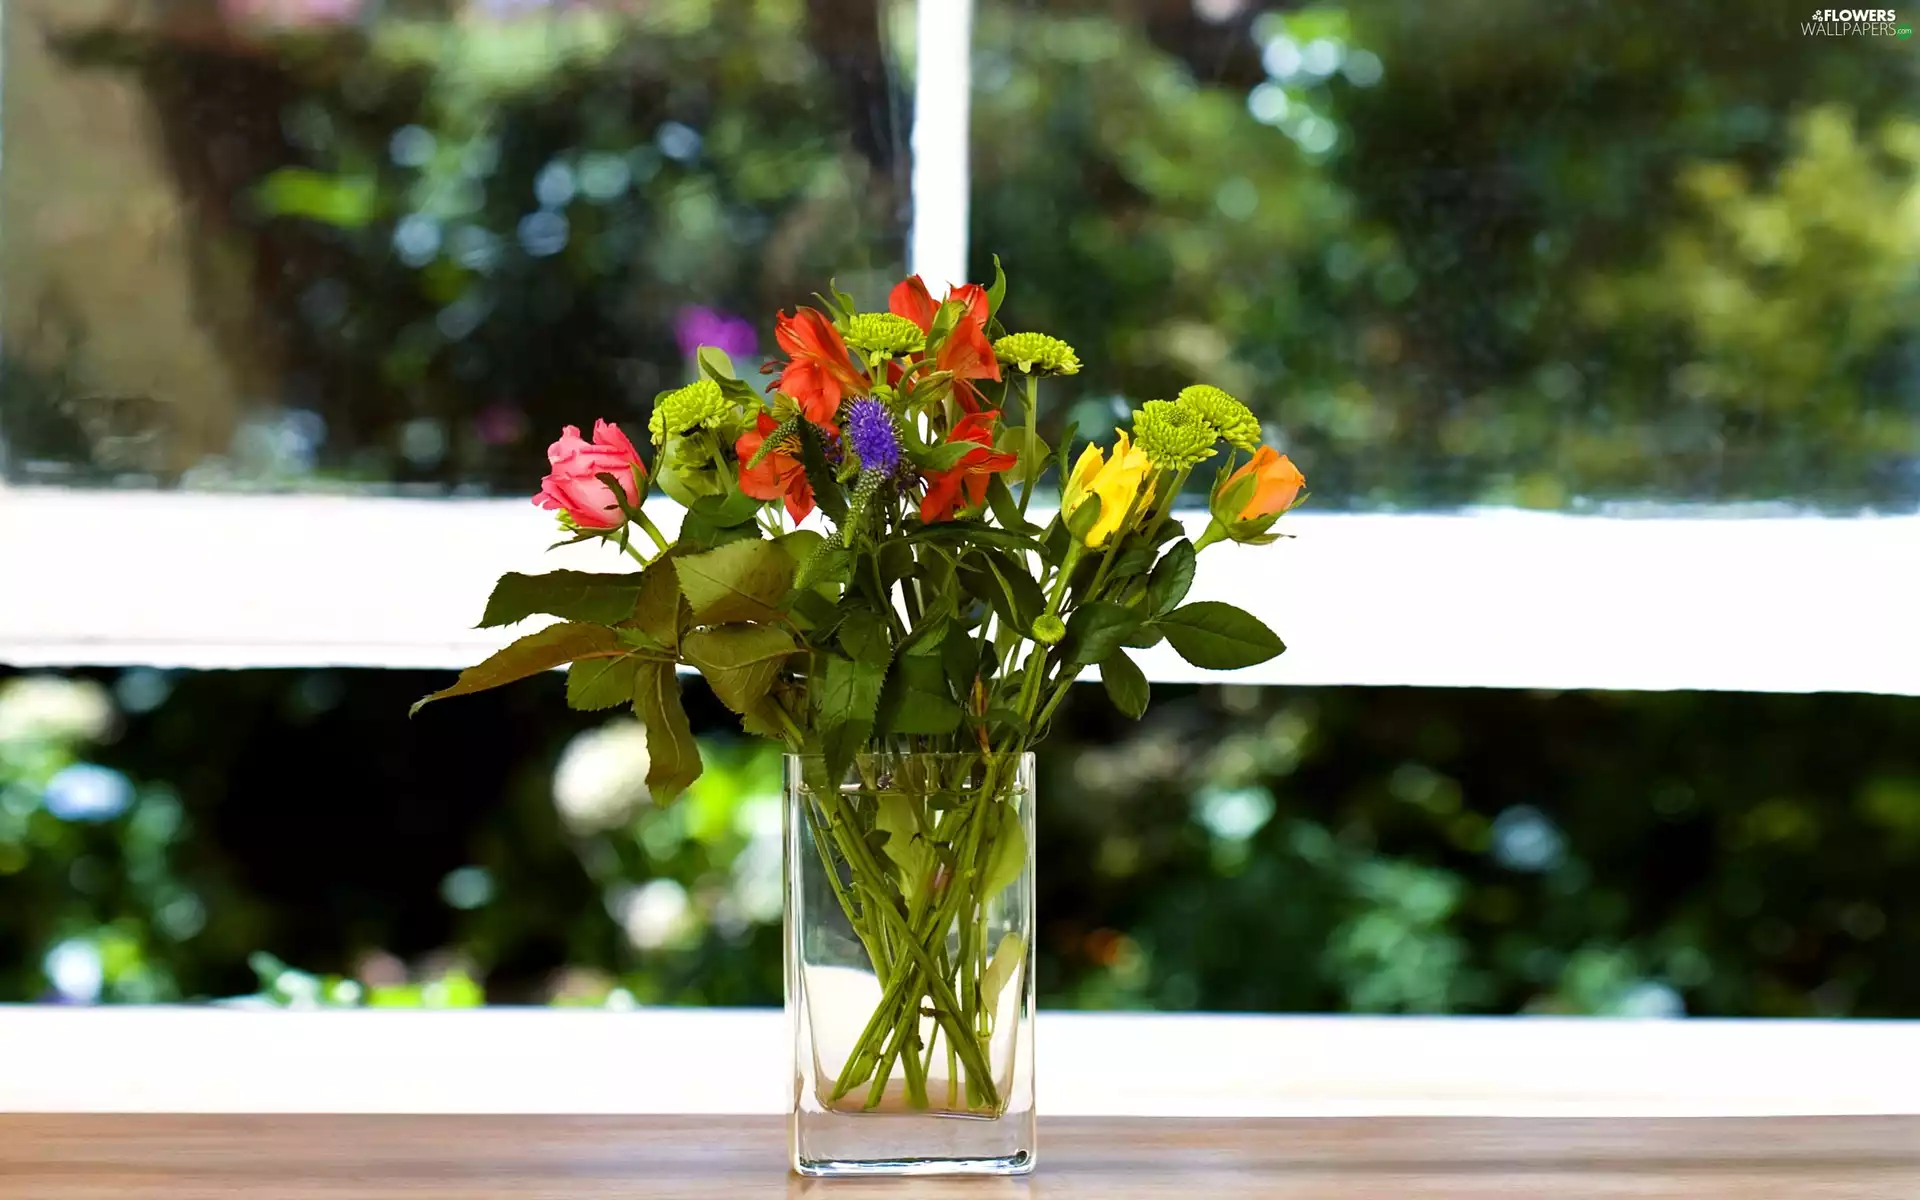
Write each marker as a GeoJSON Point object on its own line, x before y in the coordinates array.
{"type": "Point", "coordinates": [913, 644]}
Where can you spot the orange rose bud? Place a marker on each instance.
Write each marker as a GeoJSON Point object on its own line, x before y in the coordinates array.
{"type": "Point", "coordinates": [1276, 481]}
{"type": "Point", "coordinates": [1247, 503]}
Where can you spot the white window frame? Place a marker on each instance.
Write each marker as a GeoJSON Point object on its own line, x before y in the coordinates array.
{"type": "Point", "coordinates": [1480, 598]}
{"type": "Point", "coordinates": [736, 1061]}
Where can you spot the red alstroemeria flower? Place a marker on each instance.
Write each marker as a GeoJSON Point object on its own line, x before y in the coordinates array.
{"type": "Point", "coordinates": [780, 476]}
{"type": "Point", "coordinates": [966, 351]}
{"type": "Point", "coordinates": [964, 485]}
{"type": "Point", "coordinates": [819, 373]}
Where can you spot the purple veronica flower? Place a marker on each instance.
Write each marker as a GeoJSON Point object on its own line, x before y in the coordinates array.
{"type": "Point", "coordinates": [698, 326]}
{"type": "Point", "coordinates": [870, 430]}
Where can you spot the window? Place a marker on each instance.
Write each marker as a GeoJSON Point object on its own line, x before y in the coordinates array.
{"type": "Point", "coordinates": [1594, 331]}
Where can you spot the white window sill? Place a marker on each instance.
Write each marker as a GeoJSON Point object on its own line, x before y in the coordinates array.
{"type": "Point", "coordinates": [1491, 599]}
{"type": "Point", "coordinates": [211, 1060]}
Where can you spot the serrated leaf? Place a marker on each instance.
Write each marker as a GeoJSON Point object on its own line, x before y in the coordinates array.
{"type": "Point", "coordinates": [541, 651]}
{"type": "Point", "coordinates": [1146, 637]}
{"type": "Point", "coordinates": [1096, 630]}
{"type": "Point", "coordinates": [1125, 683]}
{"type": "Point", "coordinates": [848, 698]}
{"type": "Point", "coordinates": [1168, 584]}
{"type": "Point", "coordinates": [740, 662]}
{"type": "Point", "coordinates": [740, 581]}
{"type": "Point", "coordinates": [1219, 637]}
{"type": "Point", "coordinates": [863, 635]}
{"type": "Point", "coordinates": [599, 683]}
{"type": "Point", "coordinates": [673, 754]}
{"type": "Point", "coordinates": [599, 599]}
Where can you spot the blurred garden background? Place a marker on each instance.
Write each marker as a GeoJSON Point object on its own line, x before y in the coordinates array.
{"type": "Point", "coordinates": [1598, 257]}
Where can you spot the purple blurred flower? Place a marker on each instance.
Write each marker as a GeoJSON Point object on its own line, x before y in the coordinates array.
{"type": "Point", "coordinates": [698, 326]}
{"type": "Point", "coordinates": [870, 431]}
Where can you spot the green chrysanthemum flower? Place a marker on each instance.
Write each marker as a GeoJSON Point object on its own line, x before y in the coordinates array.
{"type": "Point", "coordinates": [884, 333]}
{"type": "Point", "coordinates": [1037, 352]}
{"type": "Point", "coordinates": [696, 406]}
{"type": "Point", "coordinates": [1171, 436]}
{"type": "Point", "coordinates": [1232, 420]}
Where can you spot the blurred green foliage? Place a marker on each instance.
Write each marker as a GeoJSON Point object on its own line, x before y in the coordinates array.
{"type": "Point", "coordinates": [1554, 256]}
{"type": "Point", "coordinates": [1557, 256]}
{"type": "Point", "coordinates": [1374, 850]}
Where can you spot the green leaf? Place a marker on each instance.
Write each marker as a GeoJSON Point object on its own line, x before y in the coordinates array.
{"type": "Point", "coordinates": [1008, 957]}
{"type": "Point", "coordinates": [826, 489]}
{"type": "Point", "coordinates": [848, 698]}
{"type": "Point", "coordinates": [960, 658]}
{"type": "Point", "coordinates": [917, 698]}
{"type": "Point", "coordinates": [1007, 855]}
{"type": "Point", "coordinates": [530, 655]}
{"type": "Point", "coordinates": [801, 544]}
{"type": "Point", "coordinates": [714, 521]}
{"type": "Point", "coordinates": [864, 637]}
{"type": "Point", "coordinates": [1001, 503]}
{"type": "Point", "coordinates": [973, 533]}
{"type": "Point", "coordinates": [1005, 585]}
{"type": "Point", "coordinates": [715, 364]}
{"type": "Point", "coordinates": [945, 456]}
{"type": "Point", "coordinates": [905, 844]}
{"type": "Point", "coordinates": [599, 599]}
{"type": "Point", "coordinates": [658, 612]}
{"type": "Point", "coordinates": [1126, 685]}
{"type": "Point", "coordinates": [1219, 637]}
{"type": "Point", "coordinates": [1084, 516]}
{"type": "Point", "coordinates": [740, 662]}
{"type": "Point", "coordinates": [1168, 584]}
{"type": "Point", "coordinates": [597, 683]}
{"type": "Point", "coordinates": [673, 756]}
{"type": "Point", "coordinates": [998, 290]}
{"type": "Point", "coordinates": [1144, 638]}
{"type": "Point", "coordinates": [740, 581]}
{"type": "Point", "coordinates": [1097, 629]}
{"type": "Point", "coordinates": [896, 562]}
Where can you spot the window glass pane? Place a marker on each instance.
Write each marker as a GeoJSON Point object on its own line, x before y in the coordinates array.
{"type": "Point", "coordinates": [398, 243]}
{"type": "Point", "coordinates": [1547, 255]}
{"type": "Point", "coordinates": [182, 834]}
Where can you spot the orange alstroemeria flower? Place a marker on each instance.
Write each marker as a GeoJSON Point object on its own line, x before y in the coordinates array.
{"type": "Point", "coordinates": [1276, 481]}
{"type": "Point", "coordinates": [964, 485]}
{"type": "Point", "coordinates": [818, 373]}
{"type": "Point", "coordinates": [780, 476]}
{"type": "Point", "coordinates": [966, 352]}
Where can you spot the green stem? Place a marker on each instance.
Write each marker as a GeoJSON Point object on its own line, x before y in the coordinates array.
{"type": "Point", "coordinates": [1033, 443]}
{"type": "Point", "coordinates": [653, 531]}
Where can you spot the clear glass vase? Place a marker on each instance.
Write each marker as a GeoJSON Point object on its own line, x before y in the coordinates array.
{"type": "Point", "coordinates": [909, 935]}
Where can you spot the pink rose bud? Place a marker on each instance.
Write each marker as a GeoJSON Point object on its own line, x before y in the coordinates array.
{"type": "Point", "coordinates": [575, 487]}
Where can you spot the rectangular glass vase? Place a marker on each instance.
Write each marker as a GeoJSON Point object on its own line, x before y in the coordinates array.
{"type": "Point", "coordinates": [909, 964]}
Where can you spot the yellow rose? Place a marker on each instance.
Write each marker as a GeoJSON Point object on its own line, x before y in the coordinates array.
{"type": "Point", "coordinates": [1116, 480]}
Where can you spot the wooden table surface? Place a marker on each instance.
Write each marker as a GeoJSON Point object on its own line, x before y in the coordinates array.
{"type": "Point", "coordinates": [743, 1158]}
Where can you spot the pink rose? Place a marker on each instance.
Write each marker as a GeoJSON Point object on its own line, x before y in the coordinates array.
{"type": "Point", "coordinates": [574, 486]}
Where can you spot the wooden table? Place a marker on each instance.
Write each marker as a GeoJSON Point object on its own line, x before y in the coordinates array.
{"type": "Point", "coordinates": [97, 1157]}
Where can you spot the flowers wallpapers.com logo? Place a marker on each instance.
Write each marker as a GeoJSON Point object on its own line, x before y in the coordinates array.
{"type": "Point", "coordinates": [1856, 22]}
